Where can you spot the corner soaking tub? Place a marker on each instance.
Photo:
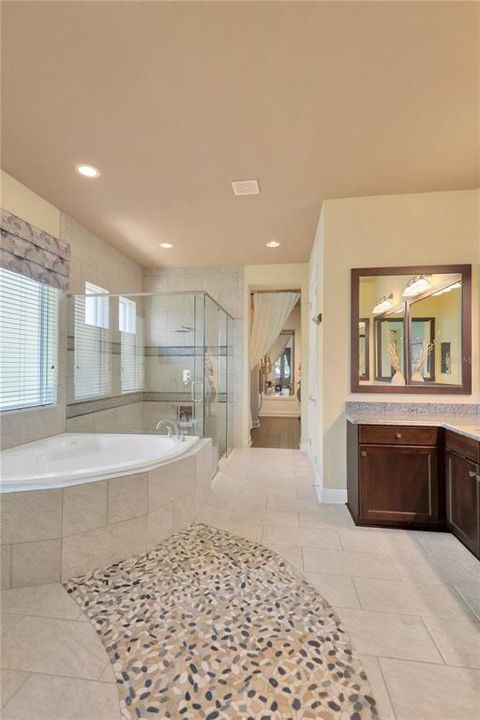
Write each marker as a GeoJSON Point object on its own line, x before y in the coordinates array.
{"type": "Point", "coordinates": [78, 502]}
{"type": "Point", "coordinates": [76, 458]}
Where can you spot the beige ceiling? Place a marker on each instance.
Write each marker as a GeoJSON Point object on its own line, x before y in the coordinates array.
{"type": "Point", "coordinates": [172, 101]}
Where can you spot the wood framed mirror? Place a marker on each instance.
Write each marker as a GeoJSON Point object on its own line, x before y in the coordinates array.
{"type": "Point", "coordinates": [411, 330]}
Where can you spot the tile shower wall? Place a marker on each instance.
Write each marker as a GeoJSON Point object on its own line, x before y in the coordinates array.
{"type": "Point", "coordinates": [95, 261]}
{"type": "Point", "coordinates": [225, 285]}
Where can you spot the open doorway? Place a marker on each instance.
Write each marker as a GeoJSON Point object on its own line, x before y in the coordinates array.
{"type": "Point", "coordinates": [275, 380]}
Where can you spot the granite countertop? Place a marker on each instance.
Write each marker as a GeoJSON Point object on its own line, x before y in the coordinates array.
{"type": "Point", "coordinates": [468, 425]}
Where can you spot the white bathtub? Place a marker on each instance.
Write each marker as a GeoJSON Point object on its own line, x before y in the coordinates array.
{"type": "Point", "coordinates": [77, 458]}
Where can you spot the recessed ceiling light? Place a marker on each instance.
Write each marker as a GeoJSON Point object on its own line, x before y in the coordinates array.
{"type": "Point", "coordinates": [273, 243]}
{"type": "Point", "coordinates": [87, 170]}
{"type": "Point", "coordinates": [167, 246]}
{"type": "Point", "coordinates": [245, 187]}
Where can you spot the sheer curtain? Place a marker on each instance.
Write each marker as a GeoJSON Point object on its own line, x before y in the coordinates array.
{"type": "Point", "coordinates": [279, 346]}
{"type": "Point", "coordinates": [270, 313]}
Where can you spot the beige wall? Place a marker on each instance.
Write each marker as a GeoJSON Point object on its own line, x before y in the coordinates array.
{"type": "Point", "coordinates": [19, 200]}
{"type": "Point", "coordinates": [290, 276]}
{"type": "Point", "coordinates": [420, 229]}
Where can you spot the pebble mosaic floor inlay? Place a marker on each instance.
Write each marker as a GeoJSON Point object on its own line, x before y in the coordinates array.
{"type": "Point", "coordinates": [210, 625]}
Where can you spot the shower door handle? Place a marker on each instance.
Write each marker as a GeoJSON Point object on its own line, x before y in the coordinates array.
{"type": "Point", "coordinates": [194, 383]}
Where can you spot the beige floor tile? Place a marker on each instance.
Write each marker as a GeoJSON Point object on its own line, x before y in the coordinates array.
{"type": "Point", "coordinates": [292, 554]}
{"type": "Point", "coordinates": [338, 590]}
{"type": "Point", "coordinates": [410, 598]}
{"type": "Point", "coordinates": [57, 698]}
{"type": "Point", "coordinates": [344, 562]}
{"type": "Point", "coordinates": [308, 493]}
{"type": "Point", "coordinates": [47, 600]}
{"type": "Point", "coordinates": [335, 516]}
{"type": "Point", "coordinates": [107, 675]}
{"type": "Point", "coordinates": [442, 545]}
{"type": "Point", "coordinates": [267, 517]}
{"type": "Point", "coordinates": [471, 595]}
{"type": "Point", "coordinates": [250, 531]}
{"type": "Point", "coordinates": [458, 640]}
{"type": "Point", "coordinates": [10, 682]}
{"type": "Point", "coordinates": [54, 647]}
{"type": "Point", "coordinates": [288, 505]}
{"type": "Point", "coordinates": [390, 635]}
{"type": "Point", "coordinates": [420, 691]}
{"type": "Point", "coordinates": [7, 621]}
{"type": "Point", "coordinates": [301, 537]}
{"type": "Point", "coordinates": [386, 542]}
{"type": "Point", "coordinates": [211, 514]}
{"type": "Point", "coordinates": [380, 692]}
{"type": "Point", "coordinates": [431, 570]}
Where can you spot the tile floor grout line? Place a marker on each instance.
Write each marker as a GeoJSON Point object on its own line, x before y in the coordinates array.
{"type": "Point", "coordinates": [433, 640]}
{"type": "Point", "coordinates": [378, 658]}
{"type": "Point", "coordinates": [4, 707]}
{"type": "Point", "coordinates": [356, 591]}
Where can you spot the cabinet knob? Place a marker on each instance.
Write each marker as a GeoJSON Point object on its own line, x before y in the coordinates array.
{"type": "Point", "coordinates": [364, 453]}
{"type": "Point", "coordinates": [472, 474]}
{"type": "Point", "coordinates": [398, 436]}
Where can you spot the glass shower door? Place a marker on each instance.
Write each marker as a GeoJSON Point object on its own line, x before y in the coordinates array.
{"type": "Point", "coordinates": [215, 376]}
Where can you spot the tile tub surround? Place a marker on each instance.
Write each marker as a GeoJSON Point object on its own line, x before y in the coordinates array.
{"type": "Point", "coordinates": [462, 418]}
{"type": "Point", "coordinates": [210, 624]}
{"type": "Point", "coordinates": [49, 535]}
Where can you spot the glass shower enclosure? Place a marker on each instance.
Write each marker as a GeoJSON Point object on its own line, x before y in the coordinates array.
{"type": "Point", "coordinates": [136, 359]}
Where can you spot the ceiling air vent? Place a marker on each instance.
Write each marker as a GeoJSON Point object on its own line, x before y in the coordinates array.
{"type": "Point", "coordinates": [246, 187]}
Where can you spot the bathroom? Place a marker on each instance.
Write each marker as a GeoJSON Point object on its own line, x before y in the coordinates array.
{"type": "Point", "coordinates": [158, 557]}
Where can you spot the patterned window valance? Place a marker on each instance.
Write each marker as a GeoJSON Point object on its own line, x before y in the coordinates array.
{"type": "Point", "coordinates": [32, 252]}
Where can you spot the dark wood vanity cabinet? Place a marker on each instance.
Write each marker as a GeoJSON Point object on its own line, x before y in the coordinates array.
{"type": "Point", "coordinates": [394, 476]}
{"type": "Point", "coordinates": [463, 489]}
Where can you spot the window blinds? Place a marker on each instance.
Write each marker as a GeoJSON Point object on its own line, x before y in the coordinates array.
{"type": "Point", "coordinates": [131, 346]}
{"type": "Point", "coordinates": [93, 359]}
{"type": "Point", "coordinates": [28, 342]}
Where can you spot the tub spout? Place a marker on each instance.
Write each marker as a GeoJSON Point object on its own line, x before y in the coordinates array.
{"type": "Point", "coordinates": [169, 424]}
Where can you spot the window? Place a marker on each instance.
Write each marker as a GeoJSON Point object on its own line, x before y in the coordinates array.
{"type": "Point", "coordinates": [131, 346]}
{"type": "Point", "coordinates": [29, 342]}
{"type": "Point", "coordinates": [96, 306]}
{"type": "Point", "coordinates": [93, 359]}
{"type": "Point", "coordinates": [127, 316]}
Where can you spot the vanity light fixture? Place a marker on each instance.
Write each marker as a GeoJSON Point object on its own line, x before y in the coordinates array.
{"type": "Point", "coordinates": [166, 246]}
{"type": "Point", "coordinates": [89, 171]}
{"type": "Point", "coordinates": [385, 303]}
{"type": "Point", "coordinates": [417, 285]}
{"type": "Point", "coordinates": [272, 244]}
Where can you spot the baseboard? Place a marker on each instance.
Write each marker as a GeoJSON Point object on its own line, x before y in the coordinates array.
{"type": "Point", "coordinates": [331, 495]}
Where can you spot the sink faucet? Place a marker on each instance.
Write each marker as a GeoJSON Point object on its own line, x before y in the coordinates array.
{"type": "Point", "coordinates": [169, 424]}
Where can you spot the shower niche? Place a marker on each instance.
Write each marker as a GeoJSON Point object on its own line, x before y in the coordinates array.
{"type": "Point", "coordinates": [135, 359]}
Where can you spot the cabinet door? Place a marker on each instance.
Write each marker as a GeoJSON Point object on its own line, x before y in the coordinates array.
{"type": "Point", "coordinates": [463, 487]}
{"type": "Point", "coordinates": [399, 485]}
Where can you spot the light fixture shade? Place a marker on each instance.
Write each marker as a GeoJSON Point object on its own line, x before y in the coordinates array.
{"type": "Point", "coordinates": [384, 304]}
{"type": "Point", "coordinates": [417, 285]}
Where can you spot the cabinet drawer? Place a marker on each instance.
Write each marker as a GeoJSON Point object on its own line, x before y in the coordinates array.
{"type": "Point", "coordinates": [464, 446]}
{"type": "Point", "coordinates": [397, 435]}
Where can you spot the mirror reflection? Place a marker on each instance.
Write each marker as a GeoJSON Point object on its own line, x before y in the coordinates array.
{"type": "Point", "coordinates": [416, 323]}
